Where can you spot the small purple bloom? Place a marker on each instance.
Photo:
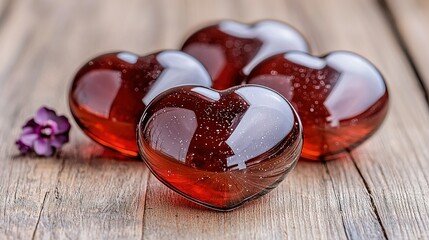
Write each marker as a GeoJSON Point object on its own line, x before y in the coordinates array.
{"type": "Point", "coordinates": [44, 134]}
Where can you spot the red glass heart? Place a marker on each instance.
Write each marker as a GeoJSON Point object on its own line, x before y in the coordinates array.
{"type": "Point", "coordinates": [341, 98]}
{"type": "Point", "coordinates": [229, 50]}
{"type": "Point", "coordinates": [110, 92]}
{"type": "Point", "coordinates": [220, 149]}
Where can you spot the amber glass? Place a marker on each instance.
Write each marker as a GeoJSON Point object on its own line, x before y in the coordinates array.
{"type": "Point", "coordinates": [220, 149]}
{"type": "Point", "coordinates": [110, 92]}
{"type": "Point", "coordinates": [229, 50]}
{"type": "Point", "coordinates": [341, 98]}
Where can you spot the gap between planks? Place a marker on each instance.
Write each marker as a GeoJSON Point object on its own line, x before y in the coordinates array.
{"type": "Point", "coordinates": [390, 19]}
{"type": "Point", "coordinates": [371, 197]}
{"type": "Point", "coordinates": [40, 215]}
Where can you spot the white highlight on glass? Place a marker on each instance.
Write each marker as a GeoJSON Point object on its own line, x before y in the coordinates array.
{"type": "Point", "coordinates": [128, 57]}
{"type": "Point", "coordinates": [305, 60]}
{"type": "Point", "coordinates": [359, 86]}
{"type": "Point", "coordinates": [179, 69]}
{"type": "Point", "coordinates": [210, 94]}
{"type": "Point", "coordinates": [277, 38]}
{"type": "Point", "coordinates": [266, 122]}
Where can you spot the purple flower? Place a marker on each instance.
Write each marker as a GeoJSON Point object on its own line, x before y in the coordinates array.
{"type": "Point", "coordinates": [44, 134]}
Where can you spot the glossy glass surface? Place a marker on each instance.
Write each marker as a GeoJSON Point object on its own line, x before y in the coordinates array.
{"type": "Point", "coordinates": [110, 92]}
{"type": "Point", "coordinates": [229, 50]}
{"type": "Point", "coordinates": [220, 149]}
{"type": "Point", "coordinates": [341, 98]}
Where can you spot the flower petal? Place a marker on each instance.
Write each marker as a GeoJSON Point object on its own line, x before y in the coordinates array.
{"type": "Point", "coordinates": [59, 140]}
{"type": "Point", "coordinates": [43, 147]}
{"type": "Point", "coordinates": [44, 114]}
{"type": "Point", "coordinates": [53, 125]}
{"type": "Point", "coordinates": [63, 124]}
{"type": "Point", "coordinates": [30, 123]}
{"type": "Point", "coordinates": [44, 133]}
{"type": "Point", "coordinates": [23, 149]}
{"type": "Point", "coordinates": [28, 130]}
{"type": "Point", "coordinates": [28, 139]}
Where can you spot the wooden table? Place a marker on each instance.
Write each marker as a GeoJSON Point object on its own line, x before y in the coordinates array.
{"type": "Point", "coordinates": [380, 190]}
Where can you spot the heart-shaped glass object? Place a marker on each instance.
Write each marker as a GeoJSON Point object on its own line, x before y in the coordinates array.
{"type": "Point", "coordinates": [341, 98]}
{"type": "Point", "coordinates": [220, 149]}
{"type": "Point", "coordinates": [110, 92]}
{"type": "Point", "coordinates": [230, 50]}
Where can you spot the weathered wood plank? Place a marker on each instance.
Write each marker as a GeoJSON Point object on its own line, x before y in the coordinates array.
{"type": "Point", "coordinates": [411, 19]}
{"type": "Point", "coordinates": [25, 185]}
{"type": "Point", "coordinates": [393, 163]}
{"type": "Point", "coordinates": [298, 208]}
{"type": "Point", "coordinates": [95, 197]}
{"type": "Point", "coordinates": [83, 192]}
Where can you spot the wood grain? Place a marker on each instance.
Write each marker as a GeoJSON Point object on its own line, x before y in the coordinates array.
{"type": "Point", "coordinates": [392, 163]}
{"type": "Point", "coordinates": [83, 192]}
{"type": "Point", "coordinates": [380, 190]}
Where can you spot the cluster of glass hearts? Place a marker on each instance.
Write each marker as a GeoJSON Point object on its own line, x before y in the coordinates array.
{"type": "Point", "coordinates": [218, 121]}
